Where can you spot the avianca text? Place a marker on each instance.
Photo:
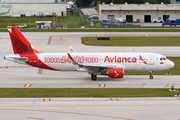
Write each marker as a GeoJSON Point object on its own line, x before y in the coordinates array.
{"type": "Point", "coordinates": [83, 59]}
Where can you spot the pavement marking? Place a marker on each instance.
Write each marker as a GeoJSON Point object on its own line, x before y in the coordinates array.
{"type": "Point", "coordinates": [114, 99]}
{"type": "Point", "coordinates": [3, 67]}
{"type": "Point", "coordinates": [71, 35]}
{"type": "Point", "coordinates": [146, 35]}
{"type": "Point", "coordinates": [98, 35]}
{"type": "Point", "coordinates": [35, 118]}
{"type": "Point", "coordinates": [169, 85]}
{"type": "Point", "coordinates": [62, 74]}
{"type": "Point", "coordinates": [102, 85]}
{"type": "Point", "coordinates": [50, 39]}
{"type": "Point", "coordinates": [27, 85]}
{"type": "Point", "coordinates": [40, 71]}
{"type": "Point", "coordinates": [64, 112]}
{"type": "Point", "coordinates": [47, 100]}
{"type": "Point", "coordinates": [168, 76]}
{"type": "Point", "coordinates": [56, 36]}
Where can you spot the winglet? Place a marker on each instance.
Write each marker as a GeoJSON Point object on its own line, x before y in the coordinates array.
{"type": "Point", "coordinates": [74, 62]}
{"type": "Point", "coordinates": [72, 50]}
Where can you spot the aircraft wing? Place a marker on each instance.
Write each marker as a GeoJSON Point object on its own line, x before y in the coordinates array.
{"type": "Point", "coordinates": [94, 67]}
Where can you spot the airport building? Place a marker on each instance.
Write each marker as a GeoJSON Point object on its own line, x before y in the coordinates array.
{"type": "Point", "coordinates": [175, 1]}
{"type": "Point", "coordinates": [144, 12]}
{"type": "Point", "coordinates": [34, 7]}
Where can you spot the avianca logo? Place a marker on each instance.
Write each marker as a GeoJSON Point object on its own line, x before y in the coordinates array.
{"type": "Point", "coordinates": [116, 73]}
{"type": "Point", "coordinates": [116, 59]}
{"type": "Point", "coordinates": [140, 57]}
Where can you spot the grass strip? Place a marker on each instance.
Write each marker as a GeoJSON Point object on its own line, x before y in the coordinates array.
{"type": "Point", "coordinates": [72, 21]}
{"type": "Point", "coordinates": [95, 30]}
{"type": "Point", "coordinates": [83, 92]}
{"type": "Point", "coordinates": [132, 41]}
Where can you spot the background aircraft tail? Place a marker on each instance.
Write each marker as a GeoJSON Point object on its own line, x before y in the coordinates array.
{"type": "Point", "coordinates": [9, 9]}
{"type": "Point", "coordinates": [19, 43]}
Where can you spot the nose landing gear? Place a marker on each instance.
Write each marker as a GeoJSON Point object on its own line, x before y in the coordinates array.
{"type": "Point", "coordinates": [151, 76]}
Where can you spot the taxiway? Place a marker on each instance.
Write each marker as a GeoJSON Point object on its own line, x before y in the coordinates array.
{"type": "Point", "coordinates": [90, 108]}
{"type": "Point", "coordinates": [13, 75]}
{"type": "Point", "coordinates": [19, 76]}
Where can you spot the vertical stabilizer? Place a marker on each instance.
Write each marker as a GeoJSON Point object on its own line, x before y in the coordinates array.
{"type": "Point", "coordinates": [19, 43]}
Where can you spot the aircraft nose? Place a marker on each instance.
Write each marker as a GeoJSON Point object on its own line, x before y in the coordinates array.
{"type": "Point", "coordinates": [171, 64]}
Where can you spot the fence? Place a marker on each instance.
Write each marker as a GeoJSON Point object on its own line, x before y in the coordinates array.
{"type": "Point", "coordinates": [79, 13]}
{"type": "Point", "coordinates": [116, 23]}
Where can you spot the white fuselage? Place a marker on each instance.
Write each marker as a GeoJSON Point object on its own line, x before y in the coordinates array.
{"type": "Point", "coordinates": [130, 61]}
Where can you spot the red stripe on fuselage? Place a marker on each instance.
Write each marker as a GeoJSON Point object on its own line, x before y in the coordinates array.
{"type": "Point", "coordinates": [36, 62]}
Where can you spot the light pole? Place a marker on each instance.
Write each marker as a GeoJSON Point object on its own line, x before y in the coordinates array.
{"type": "Point", "coordinates": [29, 23]}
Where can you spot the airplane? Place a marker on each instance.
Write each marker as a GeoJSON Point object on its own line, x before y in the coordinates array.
{"type": "Point", "coordinates": [110, 64]}
{"type": "Point", "coordinates": [5, 12]}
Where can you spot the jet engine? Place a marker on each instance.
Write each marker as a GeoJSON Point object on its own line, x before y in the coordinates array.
{"type": "Point", "coordinates": [116, 72]}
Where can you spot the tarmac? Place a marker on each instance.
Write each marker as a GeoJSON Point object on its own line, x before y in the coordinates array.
{"type": "Point", "coordinates": [19, 76]}
{"type": "Point", "coordinates": [90, 108]}
{"type": "Point", "coordinates": [13, 75]}
{"type": "Point", "coordinates": [61, 41]}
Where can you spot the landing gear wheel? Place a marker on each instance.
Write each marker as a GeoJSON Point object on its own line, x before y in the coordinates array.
{"type": "Point", "coordinates": [151, 77]}
{"type": "Point", "coordinates": [93, 77]}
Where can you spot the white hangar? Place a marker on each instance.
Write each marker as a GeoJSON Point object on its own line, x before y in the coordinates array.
{"type": "Point", "coordinates": [145, 12]}
{"type": "Point", "coordinates": [34, 7]}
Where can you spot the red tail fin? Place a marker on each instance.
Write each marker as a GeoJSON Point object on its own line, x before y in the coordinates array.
{"type": "Point", "coordinates": [19, 43]}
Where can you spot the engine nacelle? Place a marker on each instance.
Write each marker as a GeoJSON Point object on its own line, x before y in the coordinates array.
{"type": "Point", "coordinates": [116, 72]}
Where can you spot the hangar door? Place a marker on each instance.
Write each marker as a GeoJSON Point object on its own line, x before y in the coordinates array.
{"type": "Point", "coordinates": [147, 18]}
{"type": "Point", "coordinates": [111, 17]}
{"type": "Point", "coordinates": [129, 18]}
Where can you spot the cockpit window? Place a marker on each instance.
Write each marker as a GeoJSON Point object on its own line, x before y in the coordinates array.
{"type": "Point", "coordinates": [163, 58]}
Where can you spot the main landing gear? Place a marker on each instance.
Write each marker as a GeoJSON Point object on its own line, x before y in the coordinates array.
{"type": "Point", "coordinates": [93, 77]}
{"type": "Point", "coordinates": [151, 76]}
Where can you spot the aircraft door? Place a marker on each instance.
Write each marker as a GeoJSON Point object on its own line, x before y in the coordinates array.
{"type": "Point", "coordinates": [151, 60]}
